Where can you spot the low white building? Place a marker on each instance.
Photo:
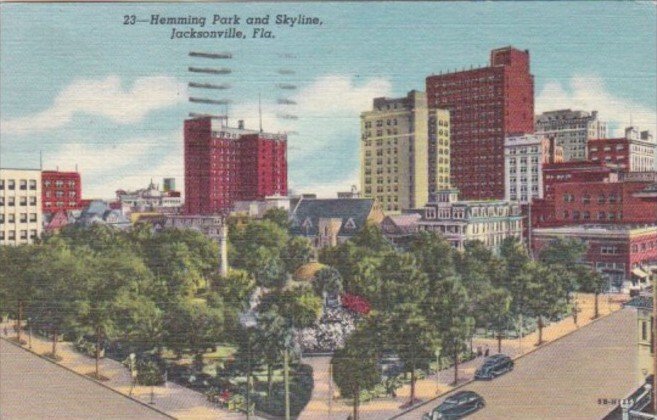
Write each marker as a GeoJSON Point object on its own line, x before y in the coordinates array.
{"type": "Point", "coordinates": [257, 208]}
{"type": "Point", "coordinates": [460, 222]}
{"type": "Point", "coordinates": [20, 206]}
{"type": "Point", "coordinates": [150, 199]}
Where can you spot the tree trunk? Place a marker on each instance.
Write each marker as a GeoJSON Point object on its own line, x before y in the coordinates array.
{"type": "Point", "coordinates": [97, 353]}
{"type": "Point", "coordinates": [499, 342]}
{"type": "Point", "coordinates": [596, 312]}
{"type": "Point", "coordinates": [19, 321]}
{"type": "Point", "coordinates": [269, 384]}
{"type": "Point", "coordinates": [356, 401]}
{"type": "Point", "coordinates": [540, 331]}
{"type": "Point", "coordinates": [54, 342]}
{"type": "Point", "coordinates": [412, 386]}
{"type": "Point", "coordinates": [456, 367]}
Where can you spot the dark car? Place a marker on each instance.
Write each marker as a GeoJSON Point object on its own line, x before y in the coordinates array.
{"type": "Point", "coordinates": [494, 366]}
{"type": "Point", "coordinates": [457, 406]}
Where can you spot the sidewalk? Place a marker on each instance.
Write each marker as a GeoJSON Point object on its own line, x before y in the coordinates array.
{"type": "Point", "coordinates": [173, 399]}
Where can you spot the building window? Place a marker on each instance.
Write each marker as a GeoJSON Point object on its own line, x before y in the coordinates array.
{"type": "Point", "coordinates": [2, 184]}
{"type": "Point", "coordinates": [33, 201]}
{"type": "Point", "coordinates": [586, 199]}
{"type": "Point", "coordinates": [23, 218]}
{"type": "Point", "coordinates": [11, 184]}
{"type": "Point", "coordinates": [23, 234]}
{"type": "Point", "coordinates": [11, 201]}
{"type": "Point", "coordinates": [22, 184]}
{"type": "Point", "coordinates": [11, 218]}
{"type": "Point", "coordinates": [23, 201]}
{"type": "Point", "coordinates": [33, 217]}
{"type": "Point", "coordinates": [12, 235]}
{"type": "Point", "coordinates": [644, 331]}
{"type": "Point", "coordinates": [33, 184]}
{"type": "Point", "coordinates": [33, 234]}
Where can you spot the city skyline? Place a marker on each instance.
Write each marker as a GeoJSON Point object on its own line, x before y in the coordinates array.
{"type": "Point", "coordinates": [118, 112]}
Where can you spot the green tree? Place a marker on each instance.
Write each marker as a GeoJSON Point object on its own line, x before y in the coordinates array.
{"type": "Point", "coordinates": [192, 326]}
{"type": "Point", "coordinates": [547, 296]}
{"type": "Point", "coordinates": [398, 281]}
{"type": "Point", "coordinates": [496, 304]}
{"type": "Point", "coordinates": [434, 255]}
{"type": "Point", "coordinates": [278, 216]}
{"type": "Point", "coordinates": [59, 273]}
{"type": "Point", "coordinates": [297, 252]}
{"type": "Point", "coordinates": [355, 367]}
{"type": "Point", "coordinates": [110, 274]}
{"type": "Point", "coordinates": [17, 286]}
{"type": "Point", "coordinates": [592, 282]}
{"type": "Point", "coordinates": [413, 338]}
{"type": "Point", "coordinates": [138, 321]}
{"type": "Point", "coordinates": [449, 310]}
{"type": "Point", "coordinates": [236, 289]}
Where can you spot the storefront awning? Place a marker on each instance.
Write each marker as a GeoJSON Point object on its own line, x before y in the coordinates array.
{"type": "Point", "coordinates": [639, 272]}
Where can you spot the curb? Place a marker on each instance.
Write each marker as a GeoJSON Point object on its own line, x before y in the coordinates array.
{"type": "Point", "coordinates": [545, 344]}
{"type": "Point", "coordinates": [87, 378]}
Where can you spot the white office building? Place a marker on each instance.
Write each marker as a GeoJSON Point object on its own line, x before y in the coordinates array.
{"type": "Point", "coordinates": [20, 206]}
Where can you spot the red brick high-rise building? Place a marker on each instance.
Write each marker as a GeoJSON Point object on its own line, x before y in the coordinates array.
{"type": "Point", "coordinates": [61, 191]}
{"type": "Point", "coordinates": [486, 104]}
{"type": "Point", "coordinates": [227, 164]}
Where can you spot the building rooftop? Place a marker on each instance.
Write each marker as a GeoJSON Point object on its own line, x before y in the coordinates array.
{"type": "Point", "coordinates": [306, 215]}
{"type": "Point", "coordinates": [590, 229]}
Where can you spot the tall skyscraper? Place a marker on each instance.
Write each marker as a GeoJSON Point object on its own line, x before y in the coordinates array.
{"type": "Point", "coordinates": [485, 104]}
{"type": "Point", "coordinates": [572, 130]}
{"type": "Point", "coordinates": [226, 164]}
{"type": "Point", "coordinates": [404, 151]}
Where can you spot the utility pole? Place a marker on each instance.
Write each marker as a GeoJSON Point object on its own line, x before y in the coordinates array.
{"type": "Point", "coordinates": [653, 340]}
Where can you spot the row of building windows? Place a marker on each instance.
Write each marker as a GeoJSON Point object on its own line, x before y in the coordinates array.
{"type": "Point", "coordinates": [23, 184]}
{"type": "Point", "coordinates": [22, 218]}
{"type": "Point", "coordinates": [22, 201]}
{"type": "Point", "coordinates": [22, 234]}
{"type": "Point", "coordinates": [586, 198]}
{"type": "Point", "coordinates": [59, 183]}
{"type": "Point", "coordinates": [586, 215]}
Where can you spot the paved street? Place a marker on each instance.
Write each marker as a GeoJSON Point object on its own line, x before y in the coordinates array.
{"type": "Point", "coordinates": [565, 379]}
{"type": "Point", "coordinates": [175, 400]}
{"type": "Point", "coordinates": [33, 388]}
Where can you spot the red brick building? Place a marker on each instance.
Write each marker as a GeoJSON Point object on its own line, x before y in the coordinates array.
{"type": "Point", "coordinates": [617, 251]}
{"type": "Point", "coordinates": [61, 191]}
{"type": "Point", "coordinates": [227, 164]}
{"type": "Point", "coordinates": [485, 105]}
{"type": "Point", "coordinates": [633, 153]}
{"type": "Point", "coordinates": [596, 202]}
{"type": "Point", "coordinates": [559, 173]}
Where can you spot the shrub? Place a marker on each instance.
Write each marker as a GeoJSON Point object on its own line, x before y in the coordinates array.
{"type": "Point", "coordinates": [356, 303]}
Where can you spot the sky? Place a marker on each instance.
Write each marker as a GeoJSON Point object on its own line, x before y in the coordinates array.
{"type": "Point", "coordinates": [83, 88]}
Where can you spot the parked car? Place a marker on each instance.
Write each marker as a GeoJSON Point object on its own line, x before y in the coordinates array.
{"type": "Point", "coordinates": [494, 366]}
{"type": "Point", "coordinates": [457, 406]}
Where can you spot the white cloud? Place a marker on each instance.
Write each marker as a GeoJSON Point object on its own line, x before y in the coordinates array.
{"type": "Point", "coordinates": [128, 164]}
{"type": "Point", "coordinates": [590, 93]}
{"type": "Point", "coordinates": [104, 97]}
{"type": "Point", "coordinates": [329, 98]}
